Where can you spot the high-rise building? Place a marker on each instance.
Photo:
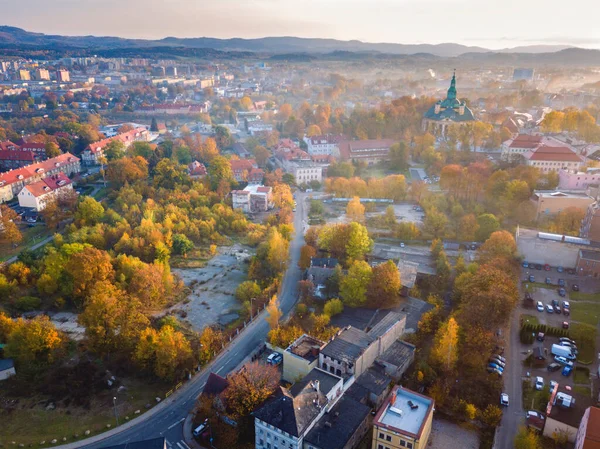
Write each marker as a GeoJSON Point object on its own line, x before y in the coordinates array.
{"type": "Point", "coordinates": [24, 75]}
{"type": "Point", "coordinates": [171, 71]}
{"type": "Point", "coordinates": [42, 74]}
{"type": "Point", "coordinates": [63, 76]}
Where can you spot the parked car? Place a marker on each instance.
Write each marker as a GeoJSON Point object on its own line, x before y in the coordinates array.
{"type": "Point", "coordinates": [497, 362]}
{"type": "Point", "coordinates": [533, 413]}
{"type": "Point", "coordinates": [494, 370]}
{"type": "Point", "coordinates": [556, 306]}
{"type": "Point", "coordinates": [525, 265]}
{"type": "Point", "coordinates": [547, 267]}
{"type": "Point", "coordinates": [575, 287]}
{"type": "Point", "coordinates": [548, 281]}
{"type": "Point", "coordinates": [274, 359]}
{"type": "Point", "coordinates": [504, 399]}
{"type": "Point", "coordinates": [561, 282]}
{"type": "Point", "coordinates": [499, 357]}
{"type": "Point", "coordinates": [560, 269]}
{"type": "Point", "coordinates": [563, 360]}
{"type": "Point", "coordinates": [554, 367]}
{"type": "Point", "coordinates": [553, 383]}
{"type": "Point", "coordinates": [496, 366]}
{"type": "Point", "coordinates": [568, 340]}
{"type": "Point", "coordinates": [562, 292]}
{"type": "Point", "coordinates": [538, 267]}
{"type": "Point", "coordinates": [549, 308]}
{"type": "Point", "coordinates": [540, 306]}
{"type": "Point", "coordinates": [539, 383]}
{"type": "Point", "coordinates": [531, 278]}
{"type": "Point", "coordinates": [567, 370]}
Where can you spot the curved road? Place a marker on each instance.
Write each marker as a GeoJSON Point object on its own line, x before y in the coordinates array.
{"type": "Point", "coordinates": [166, 418]}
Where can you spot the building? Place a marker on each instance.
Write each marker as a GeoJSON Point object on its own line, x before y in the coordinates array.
{"type": "Point", "coordinates": [514, 149]}
{"type": "Point", "coordinates": [548, 203]}
{"type": "Point", "coordinates": [171, 71]}
{"type": "Point", "coordinates": [95, 151]}
{"type": "Point", "coordinates": [63, 76]}
{"type": "Point", "coordinates": [397, 358]}
{"type": "Point", "coordinates": [588, 263]}
{"type": "Point", "coordinates": [327, 144]}
{"type": "Point", "coordinates": [254, 198]}
{"type": "Point", "coordinates": [13, 181]}
{"type": "Point", "coordinates": [352, 351]}
{"type": "Point", "coordinates": [588, 434]}
{"type": "Point", "coordinates": [7, 145]}
{"type": "Point", "coordinates": [523, 74]}
{"type": "Point", "coordinates": [301, 357]}
{"type": "Point", "coordinates": [285, 419]}
{"type": "Point", "coordinates": [577, 180]}
{"type": "Point", "coordinates": [450, 111]}
{"type": "Point", "coordinates": [590, 226]}
{"type": "Point", "coordinates": [305, 172]}
{"type": "Point", "coordinates": [37, 194]}
{"type": "Point", "coordinates": [241, 168]}
{"type": "Point", "coordinates": [15, 159]}
{"type": "Point", "coordinates": [197, 170]}
{"type": "Point", "coordinates": [553, 158]}
{"type": "Point", "coordinates": [38, 148]}
{"type": "Point", "coordinates": [369, 151]}
{"type": "Point", "coordinates": [564, 413]}
{"type": "Point", "coordinates": [42, 74]}
{"type": "Point", "coordinates": [403, 421]}
{"type": "Point", "coordinates": [7, 368]}
{"type": "Point", "coordinates": [241, 150]}
{"type": "Point", "coordinates": [342, 428]}
{"type": "Point", "coordinates": [24, 75]}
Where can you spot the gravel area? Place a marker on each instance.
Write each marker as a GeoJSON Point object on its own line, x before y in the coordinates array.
{"type": "Point", "coordinates": [447, 435]}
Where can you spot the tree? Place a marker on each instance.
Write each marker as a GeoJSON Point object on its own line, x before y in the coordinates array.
{"type": "Point", "coordinates": [527, 439]}
{"type": "Point", "coordinates": [219, 170]}
{"type": "Point", "coordinates": [353, 286]}
{"type": "Point", "coordinates": [355, 211]}
{"type": "Point", "coordinates": [261, 154]}
{"type": "Point", "coordinates": [114, 150]}
{"type": "Point", "coordinates": [223, 137]}
{"type": "Point", "coordinates": [250, 387]}
{"type": "Point", "coordinates": [89, 211]}
{"type": "Point", "coordinates": [154, 125]}
{"type": "Point", "coordinates": [211, 342]}
{"type": "Point", "coordinates": [9, 232]}
{"type": "Point", "coordinates": [33, 341]}
{"type": "Point", "coordinates": [492, 415]}
{"type": "Point", "coordinates": [567, 221]}
{"type": "Point", "coordinates": [399, 156]}
{"type": "Point", "coordinates": [384, 288]}
{"type": "Point", "coordinates": [277, 251]}
{"type": "Point", "coordinates": [445, 350]}
{"type": "Point", "coordinates": [488, 223]}
{"type": "Point", "coordinates": [86, 268]}
{"type": "Point", "coordinates": [501, 244]}
{"type": "Point", "coordinates": [182, 245]}
{"type": "Point", "coordinates": [313, 130]}
{"type": "Point", "coordinates": [52, 149]}
{"type": "Point", "coordinates": [306, 254]}
{"type": "Point", "coordinates": [166, 352]}
{"type": "Point", "coordinates": [283, 336]}
{"type": "Point", "coordinates": [169, 174]}
{"type": "Point", "coordinates": [435, 223]}
{"type": "Point", "coordinates": [127, 170]}
{"type": "Point", "coordinates": [333, 307]}
{"type": "Point", "coordinates": [282, 196]}
{"type": "Point", "coordinates": [359, 243]}
{"type": "Point", "coordinates": [247, 290]}
{"type": "Point", "coordinates": [274, 313]}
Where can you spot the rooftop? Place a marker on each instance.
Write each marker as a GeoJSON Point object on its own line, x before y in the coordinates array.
{"type": "Point", "coordinates": [306, 347]}
{"type": "Point", "coordinates": [589, 255]}
{"type": "Point", "coordinates": [398, 353]}
{"type": "Point", "coordinates": [334, 429]}
{"type": "Point", "coordinates": [381, 328]}
{"type": "Point", "coordinates": [215, 384]}
{"type": "Point", "coordinates": [349, 344]}
{"type": "Point", "coordinates": [256, 189]}
{"type": "Point", "coordinates": [557, 194]}
{"type": "Point", "coordinates": [592, 434]}
{"type": "Point", "coordinates": [404, 411]}
{"type": "Point", "coordinates": [327, 382]}
{"type": "Point", "coordinates": [553, 153]}
{"type": "Point", "coordinates": [325, 262]}
{"type": "Point", "coordinates": [375, 380]}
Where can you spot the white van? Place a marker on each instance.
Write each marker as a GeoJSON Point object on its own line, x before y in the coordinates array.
{"type": "Point", "coordinates": [201, 428]}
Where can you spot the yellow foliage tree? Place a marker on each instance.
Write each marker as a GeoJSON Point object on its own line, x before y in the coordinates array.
{"type": "Point", "coordinates": [445, 350]}
{"type": "Point", "coordinates": [355, 211]}
{"type": "Point", "coordinates": [274, 313]}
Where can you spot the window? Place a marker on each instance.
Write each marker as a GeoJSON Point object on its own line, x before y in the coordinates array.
{"type": "Point", "coordinates": [402, 443]}
{"type": "Point", "coordinates": [388, 438]}
{"type": "Point", "coordinates": [380, 446]}
{"type": "Point", "coordinates": [261, 431]}
{"type": "Point", "coordinates": [275, 438]}
{"type": "Point", "coordinates": [262, 442]}
{"type": "Point", "coordinates": [381, 436]}
{"type": "Point", "coordinates": [409, 445]}
{"type": "Point", "coordinates": [268, 445]}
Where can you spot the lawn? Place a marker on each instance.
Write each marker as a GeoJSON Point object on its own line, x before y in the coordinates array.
{"type": "Point", "coordinates": [532, 319]}
{"type": "Point", "coordinates": [30, 423]}
{"type": "Point", "coordinates": [585, 336]}
{"type": "Point", "coordinates": [581, 375]}
{"type": "Point", "coordinates": [31, 236]}
{"type": "Point", "coordinates": [579, 296]}
{"type": "Point", "coordinates": [534, 399]}
{"type": "Point", "coordinates": [584, 391]}
{"type": "Point", "coordinates": [584, 312]}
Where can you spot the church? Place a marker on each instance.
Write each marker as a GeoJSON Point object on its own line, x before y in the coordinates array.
{"type": "Point", "coordinates": [450, 111]}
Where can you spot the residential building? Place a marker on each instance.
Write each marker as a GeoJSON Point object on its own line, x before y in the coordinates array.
{"type": "Point", "coordinates": [11, 182]}
{"type": "Point", "coordinates": [305, 172]}
{"type": "Point", "coordinates": [24, 75]}
{"type": "Point", "coordinates": [95, 151]}
{"type": "Point", "coordinates": [553, 158]}
{"type": "Point", "coordinates": [197, 170]}
{"type": "Point", "coordinates": [242, 168]}
{"type": "Point", "coordinates": [548, 203]}
{"type": "Point", "coordinates": [38, 148]}
{"type": "Point", "coordinates": [42, 74]}
{"type": "Point", "coordinates": [588, 263]}
{"type": "Point", "coordinates": [7, 368]}
{"type": "Point", "coordinates": [241, 150]}
{"type": "Point", "coordinates": [254, 198]}
{"type": "Point", "coordinates": [403, 421]}
{"type": "Point", "coordinates": [285, 419]}
{"type": "Point", "coordinates": [590, 226]}
{"type": "Point", "coordinates": [588, 434]}
{"type": "Point", "coordinates": [37, 194]}
{"type": "Point", "coordinates": [369, 151]}
{"type": "Point", "coordinates": [63, 76]}
{"type": "Point", "coordinates": [301, 357]}
{"type": "Point", "coordinates": [564, 413]}
{"type": "Point", "coordinates": [352, 351]}
{"type": "Point", "coordinates": [7, 145]}
{"type": "Point", "coordinates": [515, 148]}
{"type": "Point", "coordinates": [450, 111]}
{"type": "Point", "coordinates": [327, 144]}
{"type": "Point", "coordinates": [15, 159]}
{"type": "Point", "coordinates": [342, 428]}
{"type": "Point", "coordinates": [577, 180]}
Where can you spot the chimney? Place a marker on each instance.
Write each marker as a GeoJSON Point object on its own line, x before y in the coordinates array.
{"type": "Point", "coordinates": [316, 385]}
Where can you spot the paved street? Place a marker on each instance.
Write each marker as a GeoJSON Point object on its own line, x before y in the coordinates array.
{"type": "Point", "coordinates": [166, 418]}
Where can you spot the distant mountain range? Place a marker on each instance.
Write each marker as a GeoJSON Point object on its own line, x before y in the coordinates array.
{"type": "Point", "coordinates": [12, 37]}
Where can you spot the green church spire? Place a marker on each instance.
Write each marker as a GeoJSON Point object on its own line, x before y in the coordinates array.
{"type": "Point", "coordinates": [452, 90]}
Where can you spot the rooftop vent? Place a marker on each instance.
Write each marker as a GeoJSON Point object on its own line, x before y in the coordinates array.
{"type": "Point", "coordinates": [395, 410]}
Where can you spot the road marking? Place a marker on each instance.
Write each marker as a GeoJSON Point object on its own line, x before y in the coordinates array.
{"type": "Point", "coordinates": [219, 370]}
{"type": "Point", "coordinates": [169, 444]}
{"type": "Point", "coordinates": [202, 386]}
{"type": "Point", "coordinates": [180, 446]}
{"type": "Point", "coordinates": [175, 424]}
{"type": "Point", "coordinates": [185, 444]}
{"type": "Point", "coordinates": [235, 353]}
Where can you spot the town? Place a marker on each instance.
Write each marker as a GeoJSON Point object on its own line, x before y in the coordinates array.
{"type": "Point", "coordinates": [236, 249]}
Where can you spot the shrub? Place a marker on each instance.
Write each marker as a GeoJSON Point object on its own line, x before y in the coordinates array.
{"type": "Point", "coordinates": [28, 303]}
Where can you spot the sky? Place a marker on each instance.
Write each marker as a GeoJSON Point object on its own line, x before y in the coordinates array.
{"type": "Point", "coordinates": [485, 23]}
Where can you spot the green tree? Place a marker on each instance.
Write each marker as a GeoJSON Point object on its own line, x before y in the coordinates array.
{"type": "Point", "coordinates": [488, 223]}
{"type": "Point", "coordinates": [527, 439]}
{"type": "Point", "coordinates": [223, 137]}
{"type": "Point", "coordinates": [114, 150]}
{"type": "Point", "coordinates": [154, 125]}
{"type": "Point", "coordinates": [182, 245]}
{"type": "Point", "coordinates": [353, 286]}
{"type": "Point", "coordinates": [247, 290]}
{"type": "Point", "coordinates": [169, 175]}
{"type": "Point", "coordinates": [52, 149]}
{"type": "Point", "coordinates": [219, 170]}
{"type": "Point", "coordinates": [399, 156]}
{"type": "Point", "coordinates": [435, 223]}
{"type": "Point", "coordinates": [89, 211]}
{"type": "Point", "coordinates": [333, 307]}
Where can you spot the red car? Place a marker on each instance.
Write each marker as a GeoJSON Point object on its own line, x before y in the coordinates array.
{"type": "Point", "coordinates": [565, 324]}
{"type": "Point", "coordinates": [547, 267]}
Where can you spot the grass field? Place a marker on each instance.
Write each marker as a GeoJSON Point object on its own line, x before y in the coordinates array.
{"type": "Point", "coordinates": [584, 391]}
{"type": "Point", "coordinates": [531, 287]}
{"type": "Point", "coordinates": [31, 236]}
{"type": "Point", "coordinates": [585, 336]}
{"type": "Point", "coordinates": [29, 423]}
{"type": "Point", "coordinates": [584, 312]}
{"type": "Point", "coordinates": [581, 375]}
{"type": "Point", "coordinates": [534, 399]}
{"type": "Point", "coordinates": [579, 296]}
{"type": "Point", "coordinates": [532, 319]}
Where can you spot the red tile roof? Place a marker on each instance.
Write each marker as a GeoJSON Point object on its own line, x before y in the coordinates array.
{"type": "Point", "coordinates": [126, 137]}
{"type": "Point", "coordinates": [17, 155]}
{"type": "Point", "coordinates": [551, 153]}
{"type": "Point", "coordinates": [39, 168]}
{"type": "Point", "coordinates": [197, 169]}
{"type": "Point", "coordinates": [33, 146]}
{"type": "Point", "coordinates": [57, 181]}
{"type": "Point", "coordinates": [7, 145]}
{"type": "Point", "coordinates": [239, 165]}
{"type": "Point", "coordinates": [592, 431]}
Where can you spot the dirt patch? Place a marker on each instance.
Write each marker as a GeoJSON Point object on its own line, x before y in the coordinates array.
{"type": "Point", "coordinates": [447, 435]}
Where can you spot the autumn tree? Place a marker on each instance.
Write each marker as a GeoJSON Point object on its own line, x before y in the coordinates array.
{"type": "Point", "coordinates": [114, 150]}
{"type": "Point", "coordinates": [355, 211]}
{"type": "Point", "coordinates": [86, 268]}
{"type": "Point", "coordinates": [166, 352]}
{"type": "Point", "coordinates": [492, 415]}
{"type": "Point", "coordinates": [247, 290]}
{"type": "Point", "coordinates": [567, 221]}
{"type": "Point", "coordinates": [169, 174]}
{"type": "Point", "coordinates": [435, 223]}
{"type": "Point", "coordinates": [211, 342]}
{"type": "Point", "coordinates": [527, 439]}
{"type": "Point", "coordinates": [127, 170]}
{"type": "Point", "coordinates": [261, 154]}
{"type": "Point", "coordinates": [359, 243]}
{"type": "Point", "coordinates": [89, 211]}
{"type": "Point", "coordinates": [33, 341]}
{"type": "Point", "coordinates": [282, 196]}
{"type": "Point", "coordinates": [487, 224]}
{"type": "Point", "coordinates": [313, 130]}
{"type": "Point", "coordinates": [9, 231]}
{"type": "Point", "coordinates": [274, 313]}
{"type": "Point", "coordinates": [445, 350]}
{"type": "Point", "coordinates": [333, 307]}
{"type": "Point", "coordinates": [250, 387]}
{"type": "Point", "coordinates": [306, 254]}
{"type": "Point", "coordinates": [219, 170]}
{"type": "Point", "coordinates": [501, 244]}
{"type": "Point", "coordinates": [354, 285]}
{"type": "Point", "coordinates": [384, 288]}
{"type": "Point", "coordinates": [283, 336]}
{"type": "Point", "coordinates": [52, 149]}
{"type": "Point", "coordinates": [182, 245]}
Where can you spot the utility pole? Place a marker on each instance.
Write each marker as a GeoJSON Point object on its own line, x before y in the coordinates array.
{"type": "Point", "coordinates": [115, 408]}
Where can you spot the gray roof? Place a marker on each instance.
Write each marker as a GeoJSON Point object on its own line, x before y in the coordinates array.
{"type": "Point", "coordinates": [408, 272]}
{"type": "Point", "coordinates": [155, 443]}
{"type": "Point", "coordinates": [398, 354]}
{"type": "Point", "coordinates": [348, 345]}
{"type": "Point", "coordinates": [590, 255]}
{"type": "Point", "coordinates": [381, 328]}
{"type": "Point", "coordinates": [324, 262]}
{"type": "Point", "coordinates": [326, 381]}
{"type": "Point", "coordinates": [6, 364]}
{"type": "Point", "coordinates": [318, 275]}
{"type": "Point", "coordinates": [337, 427]}
{"type": "Point", "coordinates": [375, 380]}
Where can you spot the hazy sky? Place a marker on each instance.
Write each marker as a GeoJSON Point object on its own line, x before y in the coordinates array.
{"type": "Point", "coordinates": [488, 23]}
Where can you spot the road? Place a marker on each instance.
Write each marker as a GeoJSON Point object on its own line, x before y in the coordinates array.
{"type": "Point", "coordinates": [166, 419]}
{"type": "Point", "coordinates": [514, 415]}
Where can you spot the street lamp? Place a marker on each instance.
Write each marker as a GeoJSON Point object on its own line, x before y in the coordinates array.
{"type": "Point", "coordinates": [115, 408]}
{"type": "Point", "coordinates": [251, 301]}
